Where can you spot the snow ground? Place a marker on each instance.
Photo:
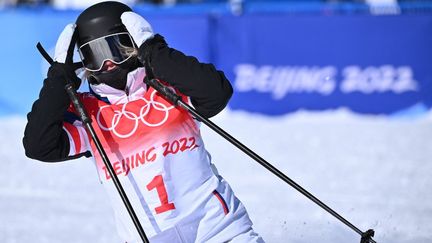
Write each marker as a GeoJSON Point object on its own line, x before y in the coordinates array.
{"type": "Point", "coordinates": [374, 171]}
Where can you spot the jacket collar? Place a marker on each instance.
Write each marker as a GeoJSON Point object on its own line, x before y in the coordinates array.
{"type": "Point", "coordinates": [135, 88]}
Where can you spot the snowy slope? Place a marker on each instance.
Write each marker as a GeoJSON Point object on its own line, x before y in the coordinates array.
{"type": "Point", "coordinates": [374, 171]}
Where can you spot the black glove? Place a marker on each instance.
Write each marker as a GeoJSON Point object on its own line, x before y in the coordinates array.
{"type": "Point", "coordinates": [59, 74]}
{"type": "Point", "coordinates": [145, 50]}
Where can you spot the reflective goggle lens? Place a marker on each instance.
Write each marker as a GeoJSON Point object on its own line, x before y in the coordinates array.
{"type": "Point", "coordinates": [117, 48]}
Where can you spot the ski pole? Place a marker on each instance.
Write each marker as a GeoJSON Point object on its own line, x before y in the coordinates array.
{"type": "Point", "coordinates": [87, 122]}
{"type": "Point", "coordinates": [366, 237]}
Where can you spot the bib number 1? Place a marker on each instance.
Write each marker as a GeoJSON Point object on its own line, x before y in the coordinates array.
{"type": "Point", "coordinates": [159, 184]}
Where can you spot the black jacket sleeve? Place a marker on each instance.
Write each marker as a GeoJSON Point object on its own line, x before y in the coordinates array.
{"type": "Point", "coordinates": [44, 138]}
{"type": "Point", "coordinates": [207, 87]}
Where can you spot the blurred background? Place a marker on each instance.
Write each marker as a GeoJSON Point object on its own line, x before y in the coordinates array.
{"type": "Point", "coordinates": [369, 56]}
{"type": "Point", "coordinates": [337, 94]}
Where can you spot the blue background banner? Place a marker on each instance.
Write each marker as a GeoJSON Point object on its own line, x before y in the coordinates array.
{"type": "Point", "coordinates": [370, 64]}
{"type": "Point", "coordinates": [278, 63]}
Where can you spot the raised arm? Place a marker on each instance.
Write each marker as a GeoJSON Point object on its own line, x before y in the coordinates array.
{"type": "Point", "coordinates": [207, 87]}
{"type": "Point", "coordinates": [45, 138]}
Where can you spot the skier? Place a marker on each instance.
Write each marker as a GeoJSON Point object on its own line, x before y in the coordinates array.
{"type": "Point", "coordinates": [155, 148]}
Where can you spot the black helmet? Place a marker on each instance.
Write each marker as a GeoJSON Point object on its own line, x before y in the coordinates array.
{"type": "Point", "coordinates": [101, 35]}
{"type": "Point", "coordinates": [100, 20]}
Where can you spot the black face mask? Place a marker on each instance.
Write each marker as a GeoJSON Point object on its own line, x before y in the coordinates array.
{"type": "Point", "coordinates": [116, 77]}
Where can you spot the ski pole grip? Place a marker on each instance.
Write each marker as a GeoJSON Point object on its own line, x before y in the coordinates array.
{"type": "Point", "coordinates": [77, 103]}
{"type": "Point", "coordinates": [164, 90]}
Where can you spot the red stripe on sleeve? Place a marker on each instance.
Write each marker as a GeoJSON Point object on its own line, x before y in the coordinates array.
{"type": "Point", "coordinates": [222, 201]}
{"type": "Point", "coordinates": [73, 131]}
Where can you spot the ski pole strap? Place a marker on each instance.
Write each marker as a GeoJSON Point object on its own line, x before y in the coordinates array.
{"type": "Point", "coordinates": [44, 53]}
{"type": "Point", "coordinates": [47, 57]}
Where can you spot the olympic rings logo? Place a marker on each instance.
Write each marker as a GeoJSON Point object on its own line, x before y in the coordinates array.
{"type": "Point", "coordinates": [124, 114]}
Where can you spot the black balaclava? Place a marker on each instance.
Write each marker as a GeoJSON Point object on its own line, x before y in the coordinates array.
{"type": "Point", "coordinates": [116, 77]}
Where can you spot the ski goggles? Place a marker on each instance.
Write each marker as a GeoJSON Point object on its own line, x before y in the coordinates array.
{"type": "Point", "coordinates": [117, 48]}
